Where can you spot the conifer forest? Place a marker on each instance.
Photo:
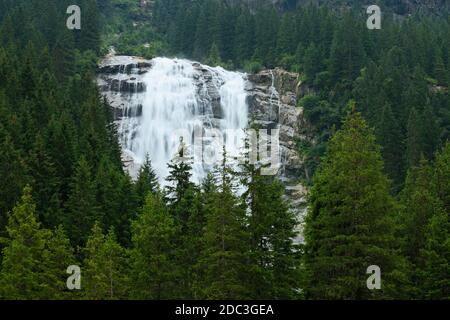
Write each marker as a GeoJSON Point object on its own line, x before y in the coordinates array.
{"type": "Point", "coordinates": [224, 150]}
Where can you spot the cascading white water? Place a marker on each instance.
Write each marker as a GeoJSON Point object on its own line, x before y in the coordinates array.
{"type": "Point", "coordinates": [177, 103]}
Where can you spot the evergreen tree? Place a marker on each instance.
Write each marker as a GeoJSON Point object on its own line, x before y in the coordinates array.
{"type": "Point", "coordinates": [442, 176]}
{"type": "Point", "coordinates": [34, 260]}
{"type": "Point", "coordinates": [349, 225]}
{"type": "Point", "coordinates": [46, 184]}
{"type": "Point", "coordinates": [105, 267]}
{"type": "Point", "coordinates": [222, 264]}
{"type": "Point", "coordinates": [147, 181]}
{"type": "Point", "coordinates": [13, 172]}
{"type": "Point", "coordinates": [271, 228]}
{"type": "Point", "coordinates": [179, 184]}
{"type": "Point", "coordinates": [59, 256]}
{"type": "Point", "coordinates": [390, 138]}
{"type": "Point", "coordinates": [20, 276]}
{"type": "Point", "coordinates": [420, 204]}
{"type": "Point", "coordinates": [214, 56]}
{"type": "Point", "coordinates": [429, 130]}
{"type": "Point", "coordinates": [414, 147]}
{"type": "Point", "coordinates": [436, 254]}
{"type": "Point", "coordinates": [347, 52]}
{"type": "Point", "coordinates": [82, 210]}
{"type": "Point", "coordinates": [153, 273]}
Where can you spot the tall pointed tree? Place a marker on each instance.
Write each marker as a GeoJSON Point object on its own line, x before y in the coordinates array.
{"type": "Point", "coordinates": [105, 267]}
{"type": "Point", "coordinates": [153, 272]}
{"type": "Point", "coordinates": [82, 210]}
{"type": "Point", "coordinates": [20, 276]}
{"type": "Point", "coordinates": [147, 181]}
{"type": "Point", "coordinates": [349, 225]}
{"type": "Point", "coordinates": [222, 264]}
{"type": "Point", "coordinates": [271, 226]}
{"type": "Point", "coordinates": [34, 259]}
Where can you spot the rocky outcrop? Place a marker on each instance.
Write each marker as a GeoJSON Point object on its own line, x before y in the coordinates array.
{"type": "Point", "coordinates": [273, 105]}
{"type": "Point", "coordinates": [273, 98]}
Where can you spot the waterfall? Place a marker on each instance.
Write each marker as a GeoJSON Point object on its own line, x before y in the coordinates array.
{"type": "Point", "coordinates": [184, 98]}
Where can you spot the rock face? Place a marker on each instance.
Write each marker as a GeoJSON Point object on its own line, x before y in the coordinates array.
{"type": "Point", "coordinates": [272, 101]}
{"type": "Point", "coordinates": [273, 105]}
{"type": "Point", "coordinates": [119, 77]}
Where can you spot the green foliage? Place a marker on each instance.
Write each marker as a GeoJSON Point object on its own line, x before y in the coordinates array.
{"type": "Point", "coordinates": [82, 209]}
{"type": "Point", "coordinates": [222, 264]}
{"type": "Point", "coordinates": [105, 267]}
{"type": "Point", "coordinates": [153, 273]}
{"type": "Point", "coordinates": [209, 241]}
{"type": "Point", "coordinates": [34, 259]}
{"type": "Point", "coordinates": [271, 225]}
{"type": "Point", "coordinates": [349, 225]}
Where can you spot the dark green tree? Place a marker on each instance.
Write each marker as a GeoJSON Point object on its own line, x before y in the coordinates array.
{"type": "Point", "coordinates": [153, 271]}
{"type": "Point", "coordinates": [82, 208]}
{"type": "Point", "coordinates": [349, 225]}
{"type": "Point", "coordinates": [105, 273]}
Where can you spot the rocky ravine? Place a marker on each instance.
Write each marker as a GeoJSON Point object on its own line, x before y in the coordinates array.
{"type": "Point", "coordinates": [272, 98]}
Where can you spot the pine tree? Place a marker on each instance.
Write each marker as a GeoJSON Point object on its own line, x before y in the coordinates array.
{"type": "Point", "coordinates": [420, 203]}
{"type": "Point", "coordinates": [147, 181]}
{"type": "Point", "coordinates": [45, 184]}
{"type": "Point", "coordinates": [34, 260]}
{"type": "Point", "coordinates": [82, 210]}
{"type": "Point", "coordinates": [20, 273]}
{"type": "Point", "coordinates": [222, 266]}
{"type": "Point", "coordinates": [116, 198]}
{"type": "Point", "coordinates": [214, 56]}
{"type": "Point", "coordinates": [179, 183]}
{"type": "Point", "coordinates": [153, 272]}
{"type": "Point", "coordinates": [244, 39]}
{"type": "Point", "coordinates": [285, 37]}
{"type": "Point", "coordinates": [311, 62]}
{"type": "Point", "coordinates": [90, 32]}
{"type": "Point", "coordinates": [442, 176]}
{"type": "Point", "coordinates": [390, 138]}
{"type": "Point", "coordinates": [436, 254]}
{"type": "Point", "coordinates": [347, 52]}
{"type": "Point", "coordinates": [429, 131]}
{"type": "Point", "coordinates": [349, 225]}
{"type": "Point", "coordinates": [105, 267]}
{"type": "Point", "coordinates": [414, 146]}
{"type": "Point", "coordinates": [271, 227]}
{"type": "Point", "coordinates": [13, 172]}
{"type": "Point", "coordinates": [60, 255]}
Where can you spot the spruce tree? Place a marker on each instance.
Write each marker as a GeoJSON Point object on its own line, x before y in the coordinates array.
{"type": "Point", "coordinates": [349, 225]}
{"type": "Point", "coordinates": [20, 276]}
{"type": "Point", "coordinates": [390, 138]}
{"type": "Point", "coordinates": [34, 259]}
{"type": "Point", "coordinates": [270, 224]}
{"type": "Point", "coordinates": [105, 267]}
{"type": "Point", "coordinates": [154, 274]}
{"type": "Point", "coordinates": [82, 210]}
{"type": "Point", "coordinates": [436, 255]}
{"type": "Point", "coordinates": [13, 172]}
{"type": "Point", "coordinates": [442, 176]}
{"type": "Point", "coordinates": [59, 256]}
{"type": "Point", "coordinates": [178, 185]}
{"type": "Point", "coordinates": [414, 148]}
{"type": "Point", "coordinates": [147, 181]}
{"type": "Point", "coordinates": [222, 265]}
{"type": "Point", "coordinates": [419, 204]}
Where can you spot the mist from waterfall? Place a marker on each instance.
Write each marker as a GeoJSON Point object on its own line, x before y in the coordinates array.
{"type": "Point", "coordinates": [177, 102]}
